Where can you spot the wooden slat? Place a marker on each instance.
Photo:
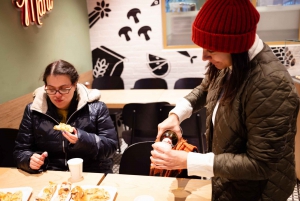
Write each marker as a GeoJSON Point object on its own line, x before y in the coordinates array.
{"type": "Point", "coordinates": [11, 112]}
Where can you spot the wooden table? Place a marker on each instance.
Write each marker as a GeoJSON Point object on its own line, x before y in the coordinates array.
{"type": "Point", "coordinates": [161, 188]}
{"type": "Point", "coordinates": [118, 98]}
{"type": "Point", "coordinates": [12, 178]}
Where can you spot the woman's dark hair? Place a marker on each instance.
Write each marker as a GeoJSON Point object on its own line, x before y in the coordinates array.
{"type": "Point", "coordinates": [240, 68]}
{"type": "Point", "coordinates": [61, 67]}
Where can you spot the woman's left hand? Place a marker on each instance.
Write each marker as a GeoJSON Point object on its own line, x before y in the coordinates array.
{"type": "Point", "coordinates": [71, 137]}
{"type": "Point", "coordinates": [166, 158]}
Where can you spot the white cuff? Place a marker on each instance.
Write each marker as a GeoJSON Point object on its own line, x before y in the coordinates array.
{"type": "Point", "coordinates": [183, 109]}
{"type": "Point", "coordinates": [200, 164]}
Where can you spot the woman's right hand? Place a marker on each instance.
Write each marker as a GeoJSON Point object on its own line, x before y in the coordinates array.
{"type": "Point", "coordinates": [170, 123]}
{"type": "Point", "coordinates": [37, 160]}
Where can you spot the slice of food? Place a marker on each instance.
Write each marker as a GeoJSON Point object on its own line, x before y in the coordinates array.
{"type": "Point", "coordinates": [63, 127]}
{"type": "Point", "coordinates": [96, 194]}
{"type": "Point", "coordinates": [64, 191]}
{"type": "Point", "coordinates": [5, 196]}
{"type": "Point", "coordinates": [17, 196]}
{"type": "Point", "coordinates": [77, 194]}
{"type": "Point", "coordinates": [48, 192]}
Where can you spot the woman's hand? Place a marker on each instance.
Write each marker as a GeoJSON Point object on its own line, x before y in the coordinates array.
{"type": "Point", "coordinates": [71, 137]}
{"type": "Point", "coordinates": [37, 160]}
{"type": "Point", "coordinates": [170, 123]}
{"type": "Point", "coordinates": [163, 157]}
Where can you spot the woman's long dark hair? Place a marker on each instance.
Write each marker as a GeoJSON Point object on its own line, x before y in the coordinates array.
{"type": "Point", "coordinates": [240, 68]}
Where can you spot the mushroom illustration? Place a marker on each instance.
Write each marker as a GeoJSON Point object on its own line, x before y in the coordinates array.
{"type": "Point", "coordinates": [133, 13]}
{"type": "Point", "coordinates": [144, 30]}
{"type": "Point", "coordinates": [125, 31]}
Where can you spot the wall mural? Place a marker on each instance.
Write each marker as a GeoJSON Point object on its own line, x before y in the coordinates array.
{"type": "Point", "coordinates": [158, 66]}
{"type": "Point", "coordinates": [185, 53]}
{"type": "Point", "coordinates": [107, 62]}
{"type": "Point", "coordinates": [100, 11]}
{"type": "Point", "coordinates": [133, 14]}
{"type": "Point", "coordinates": [155, 3]}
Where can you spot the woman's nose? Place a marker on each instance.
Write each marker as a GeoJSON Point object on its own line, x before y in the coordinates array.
{"type": "Point", "coordinates": [206, 55]}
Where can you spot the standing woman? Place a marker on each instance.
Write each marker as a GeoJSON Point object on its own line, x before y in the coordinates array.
{"type": "Point", "coordinates": [63, 100]}
{"type": "Point", "coordinates": [252, 107]}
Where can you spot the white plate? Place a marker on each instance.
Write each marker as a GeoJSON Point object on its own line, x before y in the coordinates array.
{"type": "Point", "coordinates": [110, 189]}
{"type": "Point", "coordinates": [55, 195]}
{"type": "Point", "coordinates": [25, 190]}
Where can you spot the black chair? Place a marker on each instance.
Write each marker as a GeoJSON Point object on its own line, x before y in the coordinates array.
{"type": "Point", "coordinates": [150, 83]}
{"type": "Point", "coordinates": [136, 159]}
{"type": "Point", "coordinates": [193, 128]}
{"type": "Point", "coordinates": [7, 144]}
{"type": "Point", "coordinates": [188, 83]}
{"type": "Point", "coordinates": [106, 83]}
{"type": "Point", "coordinates": [141, 119]}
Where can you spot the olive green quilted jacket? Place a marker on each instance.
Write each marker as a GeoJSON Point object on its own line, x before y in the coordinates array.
{"type": "Point", "coordinates": [253, 141]}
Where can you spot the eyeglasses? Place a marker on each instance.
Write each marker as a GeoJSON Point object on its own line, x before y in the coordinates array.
{"type": "Point", "coordinates": [61, 91]}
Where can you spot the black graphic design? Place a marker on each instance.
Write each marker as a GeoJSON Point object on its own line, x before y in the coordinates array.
{"type": "Point", "coordinates": [155, 3]}
{"type": "Point", "coordinates": [185, 53]}
{"type": "Point", "coordinates": [144, 30]}
{"type": "Point", "coordinates": [124, 31]}
{"type": "Point", "coordinates": [133, 13]}
{"type": "Point", "coordinates": [160, 67]}
{"type": "Point", "coordinates": [107, 62]}
{"type": "Point", "coordinates": [100, 11]}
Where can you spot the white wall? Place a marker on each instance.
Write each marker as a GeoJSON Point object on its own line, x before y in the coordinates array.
{"type": "Point", "coordinates": [136, 65]}
{"type": "Point", "coordinates": [136, 50]}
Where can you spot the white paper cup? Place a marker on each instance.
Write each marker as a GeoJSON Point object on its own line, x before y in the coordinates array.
{"type": "Point", "coordinates": [144, 198]}
{"type": "Point", "coordinates": [75, 167]}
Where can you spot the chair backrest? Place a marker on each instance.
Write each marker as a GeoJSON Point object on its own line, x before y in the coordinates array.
{"type": "Point", "coordinates": [136, 159]}
{"type": "Point", "coordinates": [108, 82]}
{"type": "Point", "coordinates": [7, 144]}
{"type": "Point", "coordinates": [150, 83]}
{"type": "Point", "coordinates": [142, 119]}
{"type": "Point", "coordinates": [193, 128]}
{"type": "Point", "coordinates": [188, 83]}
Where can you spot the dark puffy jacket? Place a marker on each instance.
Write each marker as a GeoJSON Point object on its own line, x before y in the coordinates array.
{"type": "Point", "coordinates": [253, 141]}
{"type": "Point", "coordinates": [97, 141]}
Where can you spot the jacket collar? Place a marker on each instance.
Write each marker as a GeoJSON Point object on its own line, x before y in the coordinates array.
{"type": "Point", "coordinates": [256, 47]}
{"type": "Point", "coordinates": [85, 96]}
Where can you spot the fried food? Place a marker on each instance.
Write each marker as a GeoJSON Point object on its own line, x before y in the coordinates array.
{"type": "Point", "coordinates": [16, 196]}
{"type": "Point", "coordinates": [77, 194]}
{"type": "Point", "coordinates": [64, 191]}
{"type": "Point", "coordinates": [90, 194]}
{"type": "Point", "coordinates": [96, 194]}
{"type": "Point", "coordinates": [48, 192]}
{"type": "Point", "coordinates": [63, 127]}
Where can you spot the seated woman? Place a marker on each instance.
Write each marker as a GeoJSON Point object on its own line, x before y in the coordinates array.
{"type": "Point", "coordinates": [63, 100]}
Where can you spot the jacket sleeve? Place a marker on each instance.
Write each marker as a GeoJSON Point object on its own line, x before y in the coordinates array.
{"type": "Point", "coordinates": [270, 111]}
{"type": "Point", "coordinates": [197, 97]}
{"type": "Point", "coordinates": [103, 143]}
{"type": "Point", "coordinates": [24, 143]}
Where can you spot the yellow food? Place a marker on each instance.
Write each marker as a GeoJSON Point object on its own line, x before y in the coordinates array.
{"type": "Point", "coordinates": [16, 196]}
{"type": "Point", "coordinates": [90, 194]}
{"type": "Point", "coordinates": [64, 191]}
{"type": "Point", "coordinates": [63, 127]}
{"type": "Point", "coordinates": [48, 192]}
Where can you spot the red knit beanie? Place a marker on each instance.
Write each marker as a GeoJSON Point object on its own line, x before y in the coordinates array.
{"type": "Point", "coordinates": [226, 26]}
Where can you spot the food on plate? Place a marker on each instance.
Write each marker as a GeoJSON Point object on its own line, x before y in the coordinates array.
{"type": "Point", "coordinates": [64, 191]}
{"type": "Point", "coordinates": [9, 196]}
{"type": "Point", "coordinates": [48, 192]}
{"type": "Point", "coordinates": [63, 127]}
{"type": "Point", "coordinates": [77, 194]}
{"type": "Point", "coordinates": [96, 194]}
{"type": "Point", "coordinates": [89, 194]}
